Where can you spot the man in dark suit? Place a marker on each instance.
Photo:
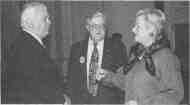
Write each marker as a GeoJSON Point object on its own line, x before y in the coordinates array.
{"type": "Point", "coordinates": [32, 77]}
{"type": "Point", "coordinates": [88, 60]}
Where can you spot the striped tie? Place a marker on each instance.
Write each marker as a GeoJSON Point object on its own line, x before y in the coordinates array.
{"type": "Point", "coordinates": [93, 86]}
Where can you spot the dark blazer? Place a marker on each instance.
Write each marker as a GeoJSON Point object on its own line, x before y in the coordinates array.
{"type": "Point", "coordinates": [32, 77]}
{"type": "Point", "coordinates": [114, 56]}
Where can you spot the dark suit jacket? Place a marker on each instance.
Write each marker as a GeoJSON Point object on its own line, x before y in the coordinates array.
{"type": "Point", "coordinates": [114, 56]}
{"type": "Point", "coordinates": [31, 76]}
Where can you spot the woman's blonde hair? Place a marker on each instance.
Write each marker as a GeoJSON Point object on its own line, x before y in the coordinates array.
{"type": "Point", "coordinates": [154, 16]}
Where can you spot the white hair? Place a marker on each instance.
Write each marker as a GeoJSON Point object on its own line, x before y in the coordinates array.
{"type": "Point", "coordinates": [97, 14]}
{"type": "Point", "coordinates": [154, 16]}
{"type": "Point", "coordinates": [29, 13]}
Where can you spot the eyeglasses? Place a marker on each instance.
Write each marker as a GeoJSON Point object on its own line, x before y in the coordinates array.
{"type": "Point", "coordinates": [97, 26]}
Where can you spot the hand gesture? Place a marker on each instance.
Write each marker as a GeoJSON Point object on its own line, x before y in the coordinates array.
{"type": "Point", "coordinates": [101, 73]}
{"type": "Point", "coordinates": [131, 102]}
{"type": "Point", "coordinates": [67, 100]}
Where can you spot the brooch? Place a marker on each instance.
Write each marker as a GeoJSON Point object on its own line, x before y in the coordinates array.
{"type": "Point", "coordinates": [82, 59]}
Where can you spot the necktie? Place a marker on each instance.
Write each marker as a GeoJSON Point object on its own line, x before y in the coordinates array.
{"type": "Point", "coordinates": [93, 86]}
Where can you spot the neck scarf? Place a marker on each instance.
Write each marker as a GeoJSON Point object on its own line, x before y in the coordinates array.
{"type": "Point", "coordinates": [138, 52]}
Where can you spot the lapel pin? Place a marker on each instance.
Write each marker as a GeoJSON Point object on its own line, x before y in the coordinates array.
{"type": "Point", "coordinates": [82, 59]}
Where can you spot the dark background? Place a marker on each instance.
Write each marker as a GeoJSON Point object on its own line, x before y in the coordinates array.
{"type": "Point", "coordinates": [68, 26]}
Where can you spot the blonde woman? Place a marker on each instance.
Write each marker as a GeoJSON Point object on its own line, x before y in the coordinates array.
{"type": "Point", "coordinates": [153, 71]}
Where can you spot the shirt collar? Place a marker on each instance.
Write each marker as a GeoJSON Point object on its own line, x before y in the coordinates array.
{"type": "Point", "coordinates": [91, 42]}
{"type": "Point", "coordinates": [34, 36]}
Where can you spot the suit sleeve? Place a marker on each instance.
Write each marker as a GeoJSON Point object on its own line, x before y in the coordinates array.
{"type": "Point", "coordinates": [32, 66]}
{"type": "Point", "coordinates": [70, 79]}
{"type": "Point", "coordinates": [29, 62]}
{"type": "Point", "coordinates": [170, 78]}
{"type": "Point", "coordinates": [120, 54]}
{"type": "Point", "coordinates": [117, 79]}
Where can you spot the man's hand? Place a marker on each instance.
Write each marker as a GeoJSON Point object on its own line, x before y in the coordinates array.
{"type": "Point", "coordinates": [101, 73]}
{"type": "Point", "coordinates": [67, 100]}
{"type": "Point", "coordinates": [112, 79]}
{"type": "Point", "coordinates": [105, 77]}
{"type": "Point", "coordinates": [131, 102]}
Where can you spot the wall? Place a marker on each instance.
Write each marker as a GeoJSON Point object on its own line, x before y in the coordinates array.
{"type": "Point", "coordinates": [10, 22]}
{"type": "Point", "coordinates": [177, 13]}
{"type": "Point", "coordinates": [178, 17]}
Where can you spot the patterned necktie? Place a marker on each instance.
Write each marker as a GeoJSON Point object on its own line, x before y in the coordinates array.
{"type": "Point", "coordinates": [93, 86]}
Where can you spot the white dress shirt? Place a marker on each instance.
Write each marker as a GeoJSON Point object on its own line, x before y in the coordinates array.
{"type": "Point", "coordinates": [100, 47]}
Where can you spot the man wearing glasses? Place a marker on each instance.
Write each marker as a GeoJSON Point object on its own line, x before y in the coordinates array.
{"type": "Point", "coordinates": [89, 60]}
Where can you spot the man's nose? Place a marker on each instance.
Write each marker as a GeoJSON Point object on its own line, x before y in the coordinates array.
{"type": "Point", "coordinates": [48, 21]}
{"type": "Point", "coordinates": [133, 30]}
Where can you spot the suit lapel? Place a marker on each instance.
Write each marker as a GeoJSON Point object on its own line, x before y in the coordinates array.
{"type": "Point", "coordinates": [84, 50]}
{"type": "Point", "coordinates": [34, 42]}
{"type": "Point", "coordinates": [43, 52]}
{"type": "Point", "coordinates": [107, 55]}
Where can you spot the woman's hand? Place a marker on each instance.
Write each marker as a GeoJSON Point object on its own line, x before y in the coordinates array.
{"type": "Point", "coordinates": [131, 102]}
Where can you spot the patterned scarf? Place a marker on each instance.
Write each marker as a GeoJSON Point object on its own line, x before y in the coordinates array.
{"type": "Point", "coordinates": [138, 52]}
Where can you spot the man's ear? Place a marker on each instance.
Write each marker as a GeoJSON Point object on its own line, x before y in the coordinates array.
{"type": "Point", "coordinates": [88, 27]}
{"type": "Point", "coordinates": [88, 24]}
{"type": "Point", "coordinates": [28, 24]}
